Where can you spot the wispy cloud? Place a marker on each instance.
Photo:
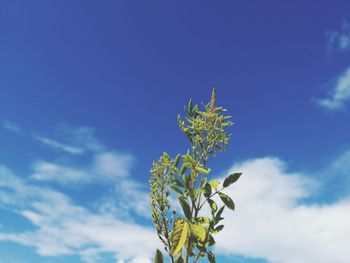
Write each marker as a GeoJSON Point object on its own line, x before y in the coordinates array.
{"type": "Point", "coordinates": [104, 166]}
{"type": "Point", "coordinates": [10, 126]}
{"type": "Point", "coordinates": [73, 140]}
{"type": "Point", "coordinates": [342, 164]}
{"type": "Point", "coordinates": [63, 228]}
{"type": "Point", "coordinates": [336, 177]}
{"type": "Point", "coordinates": [339, 95]}
{"type": "Point", "coordinates": [100, 163]}
{"type": "Point", "coordinates": [59, 146]}
{"type": "Point", "coordinates": [83, 136]}
{"type": "Point", "coordinates": [273, 223]}
{"type": "Point", "coordinates": [339, 40]}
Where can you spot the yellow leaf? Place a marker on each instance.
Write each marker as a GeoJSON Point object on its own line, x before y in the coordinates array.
{"type": "Point", "coordinates": [202, 169]}
{"type": "Point", "coordinates": [179, 235]}
{"type": "Point", "coordinates": [198, 231]}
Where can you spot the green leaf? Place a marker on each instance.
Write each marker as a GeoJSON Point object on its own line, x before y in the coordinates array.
{"type": "Point", "coordinates": [231, 179]}
{"type": "Point", "coordinates": [219, 228]}
{"type": "Point", "coordinates": [185, 180]}
{"type": "Point", "coordinates": [189, 136]}
{"type": "Point", "coordinates": [202, 169]}
{"type": "Point", "coordinates": [218, 215]}
{"type": "Point", "coordinates": [176, 189]}
{"type": "Point", "coordinates": [203, 181]}
{"type": "Point", "coordinates": [207, 190]}
{"type": "Point", "coordinates": [183, 169]}
{"type": "Point", "coordinates": [159, 257]}
{"type": "Point", "coordinates": [227, 201]}
{"type": "Point", "coordinates": [190, 106]}
{"type": "Point", "coordinates": [211, 257]}
{"type": "Point", "coordinates": [214, 184]}
{"type": "Point", "coordinates": [185, 207]}
{"type": "Point", "coordinates": [179, 120]}
{"type": "Point", "coordinates": [177, 160]}
{"type": "Point", "coordinates": [186, 110]}
{"type": "Point", "coordinates": [198, 231]}
{"type": "Point", "coordinates": [213, 205]}
{"type": "Point", "coordinates": [211, 241]}
{"type": "Point", "coordinates": [178, 182]}
{"type": "Point", "coordinates": [179, 235]}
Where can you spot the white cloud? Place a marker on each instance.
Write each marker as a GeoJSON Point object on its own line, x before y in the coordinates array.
{"type": "Point", "coordinates": [108, 168]}
{"type": "Point", "coordinates": [134, 197]}
{"type": "Point", "coordinates": [46, 171]}
{"type": "Point", "coordinates": [271, 222]}
{"type": "Point", "coordinates": [339, 40]}
{"type": "Point", "coordinates": [63, 228]}
{"type": "Point", "coordinates": [112, 164]}
{"type": "Point", "coordinates": [104, 166]}
{"type": "Point", "coordinates": [59, 146]}
{"type": "Point", "coordinates": [340, 93]}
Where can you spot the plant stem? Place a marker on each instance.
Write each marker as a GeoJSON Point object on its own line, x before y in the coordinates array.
{"type": "Point", "coordinates": [217, 191]}
{"type": "Point", "coordinates": [168, 240]}
{"type": "Point", "coordinates": [187, 253]}
{"type": "Point", "coordinates": [197, 208]}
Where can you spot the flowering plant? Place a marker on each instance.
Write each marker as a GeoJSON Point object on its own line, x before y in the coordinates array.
{"type": "Point", "coordinates": [189, 235]}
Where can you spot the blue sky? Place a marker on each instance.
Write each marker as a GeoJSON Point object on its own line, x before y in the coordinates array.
{"type": "Point", "coordinates": [89, 95]}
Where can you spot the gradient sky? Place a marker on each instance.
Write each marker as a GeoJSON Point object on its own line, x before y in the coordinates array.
{"type": "Point", "coordinates": [89, 96]}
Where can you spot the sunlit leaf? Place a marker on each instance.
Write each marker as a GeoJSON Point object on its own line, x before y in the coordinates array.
{"type": "Point", "coordinates": [179, 235]}
{"type": "Point", "coordinates": [202, 169]}
{"type": "Point", "coordinates": [198, 231]}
